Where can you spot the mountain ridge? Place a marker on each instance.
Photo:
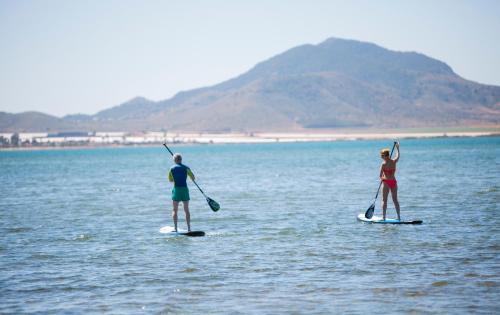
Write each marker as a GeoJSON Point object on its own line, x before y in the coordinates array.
{"type": "Point", "coordinates": [336, 83]}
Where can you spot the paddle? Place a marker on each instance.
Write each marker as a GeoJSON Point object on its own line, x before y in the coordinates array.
{"type": "Point", "coordinates": [371, 209]}
{"type": "Point", "coordinates": [211, 203]}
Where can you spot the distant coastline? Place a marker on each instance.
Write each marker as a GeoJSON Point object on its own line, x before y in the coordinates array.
{"type": "Point", "coordinates": [40, 141]}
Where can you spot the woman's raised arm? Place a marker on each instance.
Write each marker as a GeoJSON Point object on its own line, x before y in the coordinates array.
{"type": "Point", "coordinates": [397, 157]}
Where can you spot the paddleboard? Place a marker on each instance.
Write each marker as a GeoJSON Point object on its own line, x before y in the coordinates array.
{"type": "Point", "coordinates": [375, 219]}
{"type": "Point", "coordinates": [170, 230]}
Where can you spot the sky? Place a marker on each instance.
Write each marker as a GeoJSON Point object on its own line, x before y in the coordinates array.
{"type": "Point", "coordinates": [68, 57]}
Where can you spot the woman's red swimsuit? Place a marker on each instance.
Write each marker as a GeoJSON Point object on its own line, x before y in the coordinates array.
{"type": "Point", "coordinates": [391, 182]}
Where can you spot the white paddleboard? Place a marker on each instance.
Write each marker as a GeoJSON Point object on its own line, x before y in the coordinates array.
{"type": "Point", "coordinates": [375, 219]}
{"type": "Point", "coordinates": [170, 230]}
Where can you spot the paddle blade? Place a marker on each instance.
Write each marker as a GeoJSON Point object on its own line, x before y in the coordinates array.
{"type": "Point", "coordinates": [213, 204]}
{"type": "Point", "coordinates": [369, 211]}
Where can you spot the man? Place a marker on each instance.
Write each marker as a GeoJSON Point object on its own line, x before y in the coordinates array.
{"type": "Point", "coordinates": [178, 175]}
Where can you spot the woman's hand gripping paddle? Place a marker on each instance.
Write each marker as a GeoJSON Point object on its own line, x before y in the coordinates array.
{"type": "Point", "coordinates": [369, 212]}
{"type": "Point", "coordinates": [214, 205]}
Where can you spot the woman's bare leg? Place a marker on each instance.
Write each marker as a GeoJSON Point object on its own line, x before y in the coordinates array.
{"type": "Point", "coordinates": [394, 194]}
{"type": "Point", "coordinates": [174, 213]}
{"type": "Point", "coordinates": [385, 194]}
{"type": "Point", "coordinates": [188, 216]}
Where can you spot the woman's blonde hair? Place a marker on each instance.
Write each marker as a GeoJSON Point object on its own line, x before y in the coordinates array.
{"type": "Point", "coordinates": [384, 152]}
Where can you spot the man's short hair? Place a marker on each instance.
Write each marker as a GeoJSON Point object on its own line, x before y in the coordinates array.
{"type": "Point", "coordinates": [177, 158]}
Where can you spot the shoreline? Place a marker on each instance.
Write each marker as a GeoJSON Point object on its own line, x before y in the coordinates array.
{"type": "Point", "coordinates": [268, 137]}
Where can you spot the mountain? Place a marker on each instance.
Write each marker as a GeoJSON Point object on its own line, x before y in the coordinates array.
{"type": "Point", "coordinates": [32, 121]}
{"type": "Point", "coordinates": [138, 107]}
{"type": "Point", "coordinates": [337, 83]}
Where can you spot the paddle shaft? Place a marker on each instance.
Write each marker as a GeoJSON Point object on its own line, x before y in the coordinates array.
{"type": "Point", "coordinates": [380, 185]}
{"type": "Point", "coordinates": [165, 145]}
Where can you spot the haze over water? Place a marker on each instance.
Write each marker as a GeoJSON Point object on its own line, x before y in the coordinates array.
{"type": "Point", "coordinates": [79, 230]}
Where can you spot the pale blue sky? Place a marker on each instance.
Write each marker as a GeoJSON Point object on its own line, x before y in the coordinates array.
{"type": "Point", "coordinates": [62, 57]}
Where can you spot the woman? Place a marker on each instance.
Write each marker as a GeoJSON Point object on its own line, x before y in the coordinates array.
{"type": "Point", "coordinates": [389, 182]}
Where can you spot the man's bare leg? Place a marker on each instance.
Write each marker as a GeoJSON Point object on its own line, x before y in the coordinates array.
{"type": "Point", "coordinates": [174, 213]}
{"type": "Point", "coordinates": [188, 215]}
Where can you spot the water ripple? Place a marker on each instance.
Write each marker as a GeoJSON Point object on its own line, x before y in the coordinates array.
{"type": "Point", "coordinates": [80, 231]}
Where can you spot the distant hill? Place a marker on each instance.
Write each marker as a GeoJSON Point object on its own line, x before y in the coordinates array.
{"type": "Point", "coordinates": [32, 121]}
{"type": "Point", "coordinates": [138, 107]}
{"type": "Point", "coordinates": [337, 83]}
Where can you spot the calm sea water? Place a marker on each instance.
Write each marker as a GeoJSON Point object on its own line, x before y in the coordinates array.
{"type": "Point", "coordinates": [79, 231]}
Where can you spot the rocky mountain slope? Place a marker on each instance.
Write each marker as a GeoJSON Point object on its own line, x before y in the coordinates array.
{"type": "Point", "coordinates": [337, 83]}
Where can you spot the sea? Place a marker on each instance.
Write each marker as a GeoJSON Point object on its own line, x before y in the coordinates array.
{"type": "Point", "coordinates": [79, 230]}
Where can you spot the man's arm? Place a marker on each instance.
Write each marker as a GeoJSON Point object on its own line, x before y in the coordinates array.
{"type": "Point", "coordinates": [190, 174]}
{"type": "Point", "coordinates": [170, 176]}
